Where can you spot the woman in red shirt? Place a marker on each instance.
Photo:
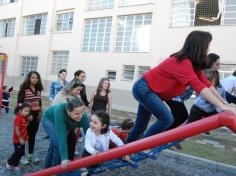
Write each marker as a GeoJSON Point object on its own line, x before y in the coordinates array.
{"type": "Point", "coordinates": [169, 79]}
{"type": "Point", "coordinates": [20, 135]}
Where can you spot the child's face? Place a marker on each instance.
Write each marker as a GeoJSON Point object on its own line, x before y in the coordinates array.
{"type": "Point", "coordinates": [25, 112]}
{"type": "Point", "coordinates": [96, 125]}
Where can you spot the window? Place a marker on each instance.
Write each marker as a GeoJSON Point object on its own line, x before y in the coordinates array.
{"type": "Point", "coordinates": [97, 34]}
{"type": "Point", "coordinates": [128, 72]}
{"type": "Point", "coordinates": [135, 2]}
{"type": "Point", "coordinates": [133, 33]}
{"type": "Point", "coordinates": [28, 63]}
{"type": "Point", "coordinates": [203, 12]}
{"type": "Point", "coordinates": [7, 27]}
{"type": "Point", "coordinates": [226, 70]}
{"type": "Point", "coordinates": [142, 70]}
{"type": "Point", "coordinates": [229, 12]}
{"type": "Point", "coordinates": [2, 2]}
{"type": "Point", "coordinates": [64, 21]}
{"type": "Point", "coordinates": [35, 24]}
{"type": "Point", "coordinates": [100, 4]}
{"type": "Point", "coordinates": [59, 61]}
{"type": "Point", "coordinates": [183, 13]}
{"type": "Point", "coordinates": [111, 74]}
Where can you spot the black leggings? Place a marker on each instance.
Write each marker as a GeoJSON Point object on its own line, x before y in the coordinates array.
{"type": "Point", "coordinates": [179, 113]}
{"type": "Point", "coordinates": [6, 106]}
{"type": "Point", "coordinates": [197, 114]}
{"type": "Point", "coordinates": [16, 156]}
{"type": "Point", "coordinates": [32, 130]}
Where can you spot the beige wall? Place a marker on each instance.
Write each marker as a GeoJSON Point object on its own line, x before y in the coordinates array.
{"type": "Point", "coordinates": [163, 41]}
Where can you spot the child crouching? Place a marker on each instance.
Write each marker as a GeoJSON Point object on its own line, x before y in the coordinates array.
{"type": "Point", "coordinates": [98, 137]}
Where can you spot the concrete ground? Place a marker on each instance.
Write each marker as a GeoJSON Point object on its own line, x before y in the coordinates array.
{"type": "Point", "coordinates": [163, 166]}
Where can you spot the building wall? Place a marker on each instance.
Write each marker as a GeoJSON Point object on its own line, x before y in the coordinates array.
{"type": "Point", "coordinates": [164, 40]}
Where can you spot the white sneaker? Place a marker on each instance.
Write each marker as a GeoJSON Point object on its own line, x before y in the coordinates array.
{"type": "Point", "coordinates": [76, 152]}
{"type": "Point", "coordinates": [32, 158]}
{"type": "Point", "coordinates": [84, 171]}
{"type": "Point", "coordinates": [24, 161]}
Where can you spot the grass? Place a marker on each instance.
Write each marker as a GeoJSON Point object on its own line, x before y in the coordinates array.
{"type": "Point", "coordinates": [208, 152]}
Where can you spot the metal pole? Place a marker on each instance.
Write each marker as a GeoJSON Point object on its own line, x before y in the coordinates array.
{"type": "Point", "coordinates": [182, 132]}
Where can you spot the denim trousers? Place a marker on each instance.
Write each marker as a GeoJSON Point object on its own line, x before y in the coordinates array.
{"type": "Point", "coordinates": [53, 156]}
{"type": "Point", "coordinates": [149, 104]}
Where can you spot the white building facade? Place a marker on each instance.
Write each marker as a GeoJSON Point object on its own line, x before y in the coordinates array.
{"type": "Point", "coordinates": [118, 39]}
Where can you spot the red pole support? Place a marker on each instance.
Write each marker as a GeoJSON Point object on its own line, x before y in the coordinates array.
{"type": "Point", "coordinates": [3, 71]}
{"type": "Point", "coordinates": [182, 132]}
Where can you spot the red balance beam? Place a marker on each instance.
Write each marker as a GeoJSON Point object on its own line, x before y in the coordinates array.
{"type": "Point", "coordinates": [204, 125]}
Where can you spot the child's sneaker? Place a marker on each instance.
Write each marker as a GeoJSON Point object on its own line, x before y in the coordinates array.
{"type": "Point", "coordinates": [17, 168]}
{"type": "Point", "coordinates": [24, 161]}
{"type": "Point", "coordinates": [84, 171]}
{"type": "Point", "coordinates": [8, 166]}
{"type": "Point", "coordinates": [32, 158]}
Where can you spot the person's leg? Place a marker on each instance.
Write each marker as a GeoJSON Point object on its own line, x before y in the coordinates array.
{"type": "Point", "coordinates": [179, 112]}
{"type": "Point", "coordinates": [7, 107]}
{"type": "Point", "coordinates": [149, 103]}
{"type": "Point", "coordinates": [16, 156]}
{"type": "Point", "coordinates": [140, 125]}
{"type": "Point", "coordinates": [32, 130]}
{"type": "Point", "coordinates": [53, 150]}
{"type": "Point", "coordinates": [230, 98]}
{"type": "Point", "coordinates": [71, 143]}
{"type": "Point", "coordinates": [196, 114]}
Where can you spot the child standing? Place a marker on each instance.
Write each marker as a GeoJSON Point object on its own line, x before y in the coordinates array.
{"type": "Point", "coordinates": [98, 136]}
{"type": "Point", "coordinates": [20, 135]}
{"type": "Point", "coordinates": [5, 97]}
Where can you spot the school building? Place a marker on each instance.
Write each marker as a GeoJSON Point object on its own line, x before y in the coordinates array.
{"type": "Point", "coordinates": [118, 39]}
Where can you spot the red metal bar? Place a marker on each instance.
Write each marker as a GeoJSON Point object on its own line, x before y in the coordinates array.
{"type": "Point", "coordinates": [3, 71]}
{"type": "Point", "coordinates": [204, 125]}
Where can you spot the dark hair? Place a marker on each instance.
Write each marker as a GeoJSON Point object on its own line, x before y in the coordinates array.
{"type": "Point", "coordinates": [212, 74]}
{"type": "Point", "coordinates": [73, 84]}
{"type": "Point", "coordinates": [26, 83]}
{"type": "Point", "coordinates": [61, 71]}
{"type": "Point", "coordinates": [100, 84]}
{"type": "Point", "coordinates": [195, 48]}
{"type": "Point", "coordinates": [127, 124]}
{"type": "Point", "coordinates": [21, 107]}
{"type": "Point", "coordinates": [4, 88]}
{"type": "Point", "coordinates": [104, 119]}
{"type": "Point", "coordinates": [234, 73]}
{"type": "Point", "coordinates": [73, 102]}
{"type": "Point", "coordinates": [78, 72]}
{"type": "Point", "coordinates": [211, 59]}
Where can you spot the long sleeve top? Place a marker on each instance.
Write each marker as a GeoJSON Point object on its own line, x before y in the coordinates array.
{"type": "Point", "coordinates": [59, 117]}
{"type": "Point", "coordinates": [170, 78]}
{"type": "Point", "coordinates": [84, 96]}
{"type": "Point", "coordinates": [31, 97]}
{"type": "Point", "coordinates": [56, 86]}
{"type": "Point", "coordinates": [205, 105]}
{"type": "Point", "coordinates": [100, 143]}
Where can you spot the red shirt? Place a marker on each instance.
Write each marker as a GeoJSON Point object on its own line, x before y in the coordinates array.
{"type": "Point", "coordinates": [121, 134]}
{"type": "Point", "coordinates": [21, 122]}
{"type": "Point", "coordinates": [170, 78]}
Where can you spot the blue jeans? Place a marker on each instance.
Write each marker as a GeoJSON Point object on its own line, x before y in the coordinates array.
{"type": "Point", "coordinates": [149, 103]}
{"type": "Point", "coordinates": [53, 156]}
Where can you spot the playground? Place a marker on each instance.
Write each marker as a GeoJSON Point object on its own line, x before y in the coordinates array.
{"type": "Point", "coordinates": [163, 165]}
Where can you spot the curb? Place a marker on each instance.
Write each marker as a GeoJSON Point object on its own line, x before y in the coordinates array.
{"type": "Point", "coordinates": [201, 161]}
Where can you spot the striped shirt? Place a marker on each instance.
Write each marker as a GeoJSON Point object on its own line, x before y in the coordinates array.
{"type": "Point", "coordinates": [31, 97]}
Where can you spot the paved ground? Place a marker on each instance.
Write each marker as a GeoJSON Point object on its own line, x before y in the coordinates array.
{"type": "Point", "coordinates": [164, 166]}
